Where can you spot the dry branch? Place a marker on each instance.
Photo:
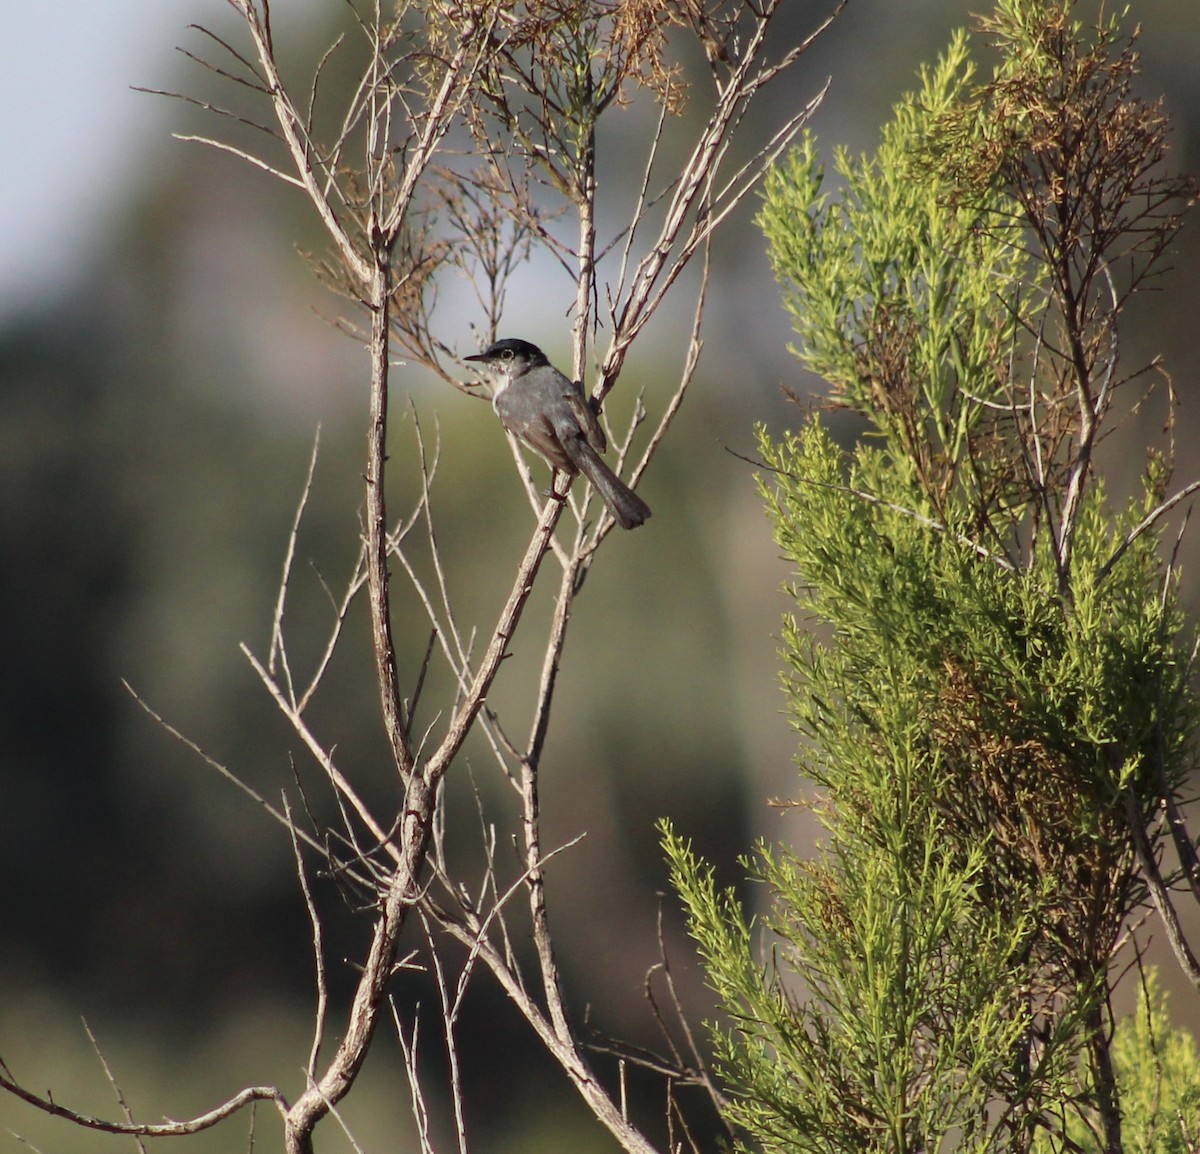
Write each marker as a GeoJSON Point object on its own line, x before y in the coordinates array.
{"type": "Point", "coordinates": [440, 74]}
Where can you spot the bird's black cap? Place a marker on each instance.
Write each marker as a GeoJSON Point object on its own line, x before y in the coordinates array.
{"type": "Point", "coordinates": [510, 348]}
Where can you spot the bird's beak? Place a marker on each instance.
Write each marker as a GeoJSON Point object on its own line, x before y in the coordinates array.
{"type": "Point", "coordinates": [476, 357]}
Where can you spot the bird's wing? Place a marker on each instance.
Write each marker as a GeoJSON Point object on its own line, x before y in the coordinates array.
{"type": "Point", "coordinates": [551, 442]}
{"type": "Point", "coordinates": [581, 406]}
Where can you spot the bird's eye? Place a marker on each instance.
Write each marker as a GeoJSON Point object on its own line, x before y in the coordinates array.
{"type": "Point", "coordinates": [507, 354]}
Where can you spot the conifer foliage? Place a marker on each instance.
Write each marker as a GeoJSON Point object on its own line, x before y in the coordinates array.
{"type": "Point", "coordinates": [997, 708]}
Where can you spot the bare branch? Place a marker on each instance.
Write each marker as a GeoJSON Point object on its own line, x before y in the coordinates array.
{"type": "Point", "coordinates": [278, 652]}
{"type": "Point", "coordinates": [409, 1051]}
{"type": "Point", "coordinates": [168, 1129]}
{"type": "Point", "coordinates": [225, 772]}
{"type": "Point", "coordinates": [563, 1051]}
{"type": "Point", "coordinates": [386, 179]}
{"type": "Point", "coordinates": [510, 616]}
{"type": "Point", "coordinates": [249, 157]}
{"type": "Point", "coordinates": [1159, 894]}
{"type": "Point", "coordinates": [323, 758]}
{"type": "Point", "coordinates": [1145, 525]}
{"type": "Point", "coordinates": [318, 947]}
{"type": "Point", "coordinates": [377, 543]}
{"type": "Point", "coordinates": [296, 138]}
{"type": "Point", "coordinates": [112, 1081]}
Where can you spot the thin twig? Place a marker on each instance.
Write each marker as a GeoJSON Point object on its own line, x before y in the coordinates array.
{"type": "Point", "coordinates": [169, 1129]}
{"type": "Point", "coordinates": [318, 947]}
{"type": "Point", "coordinates": [1147, 523]}
{"type": "Point", "coordinates": [1159, 893]}
{"type": "Point", "coordinates": [323, 758]}
{"type": "Point", "coordinates": [112, 1081]}
{"type": "Point", "coordinates": [223, 770]}
{"type": "Point", "coordinates": [278, 651]}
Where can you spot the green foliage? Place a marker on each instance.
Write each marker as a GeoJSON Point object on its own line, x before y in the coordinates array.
{"type": "Point", "coordinates": [1014, 703]}
{"type": "Point", "coordinates": [904, 303]}
{"type": "Point", "coordinates": [845, 261]}
{"type": "Point", "coordinates": [1158, 1069]}
{"type": "Point", "coordinates": [903, 1029]}
{"type": "Point", "coordinates": [957, 723]}
{"type": "Point", "coordinates": [985, 667]}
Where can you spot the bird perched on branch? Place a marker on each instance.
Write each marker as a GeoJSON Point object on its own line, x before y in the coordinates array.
{"type": "Point", "coordinates": [551, 414]}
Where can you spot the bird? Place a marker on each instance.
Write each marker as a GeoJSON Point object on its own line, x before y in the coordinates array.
{"type": "Point", "coordinates": [550, 413]}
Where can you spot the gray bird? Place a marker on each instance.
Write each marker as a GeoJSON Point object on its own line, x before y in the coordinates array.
{"type": "Point", "coordinates": [550, 413]}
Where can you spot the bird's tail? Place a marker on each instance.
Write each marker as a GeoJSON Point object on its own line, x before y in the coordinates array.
{"type": "Point", "coordinates": [627, 508]}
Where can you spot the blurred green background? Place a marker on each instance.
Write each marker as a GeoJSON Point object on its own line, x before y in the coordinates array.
{"type": "Point", "coordinates": [165, 360]}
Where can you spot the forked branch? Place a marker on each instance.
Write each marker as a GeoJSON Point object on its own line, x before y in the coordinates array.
{"type": "Point", "coordinates": [529, 85]}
